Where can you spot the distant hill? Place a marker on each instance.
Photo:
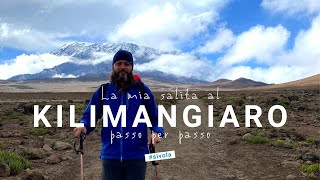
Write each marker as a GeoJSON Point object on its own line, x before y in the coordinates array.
{"type": "Point", "coordinates": [232, 84]}
{"type": "Point", "coordinates": [312, 81]}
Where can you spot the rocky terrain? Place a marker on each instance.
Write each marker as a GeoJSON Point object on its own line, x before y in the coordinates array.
{"type": "Point", "coordinates": [244, 153]}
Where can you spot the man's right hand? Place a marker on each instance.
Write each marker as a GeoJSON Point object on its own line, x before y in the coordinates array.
{"type": "Point", "coordinates": [78, 130]}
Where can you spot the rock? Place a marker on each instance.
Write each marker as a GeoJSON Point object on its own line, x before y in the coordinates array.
{"type": "Point", "coordinates": [249, 98]}
{"type": "Point", "coordinates": [273, 135]}
{"type": "Point", "coordinates": [246, 136]}
{"type": "Point", "coordinates": [234, 141]}
{"type": "Point", "coordinates": [317, 143]}
{"type": "Point", "coordinates": [61, 146]}
{"type": "Point", "coordinates": [309, 156]}
{"type": "Point", "coordinates": [231, 177]}
{"type": "Point", "coordinates": [47, 148]}
{"type": "Point", "coordinates": [63, 135]}
{"type": "Point", "coordinates": [5, 135]}
{"type": "Point", "coordinates": [301, 108]}
{"type": "Point", "coordinates": [33, 153]}
{"type": "Point", "coordinates": [4, 170]}
{"type": "Point", "coordinates": [293, 98]}
{"type": "Point", "coordinates": [297, 136]}
{"type": "Point", "coordinates": [291, 177]}
{"type": "Point", "coordinates": [262, 134]}
{"type": "Point", "coordinates": [25, 108]}
{"type": "Point", "coordinates": [70, 101]}
{"type": "Point", "coordinates": [290, 164]}
{"type": "Point", "coordinates": [308, 163]}
{"type": "Point", "coordinates": [242, 131]}
{"type": "Point", "coordinates": [18, 135]}
{"type": "Point", "coordinates": [48, 141]}
{"type": "Point", "coordinates": [54, 159]}
{"type": "Point", "coordinates": [33, 175]}
{"type": "Point", "coordinates": [16, 142]}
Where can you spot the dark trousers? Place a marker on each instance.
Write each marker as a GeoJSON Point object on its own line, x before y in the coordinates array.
{"type": "Point", "coordinates": [125, 170]}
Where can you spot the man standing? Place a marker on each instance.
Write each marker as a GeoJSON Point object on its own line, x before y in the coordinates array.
{"type": "Point", "coordinates": [123, 147]}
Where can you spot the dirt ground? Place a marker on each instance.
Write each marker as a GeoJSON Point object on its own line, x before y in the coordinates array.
{"type": "Point", "coordinates": [222, 153]}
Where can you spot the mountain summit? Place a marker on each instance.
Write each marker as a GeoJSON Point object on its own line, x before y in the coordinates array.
{"type": "Point", "coordinates": [93, 61]}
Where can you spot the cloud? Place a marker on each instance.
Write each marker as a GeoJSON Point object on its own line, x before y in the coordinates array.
{"type": "Point", "coordinates": [30, 64]}
{"type": "Point", "coordinates": [39, 26]}
{"type": "Point", "coordinates": [273, 74]}
{"type": "Point", "coordinates": [58, 22]}
{"type": "Point", "coordinates": [282, 65]}
{"type": "Point", "coordinates": [96, 58]}
{"type": "Point", "coordinates": [28, 39]}
{"type": "Point", "coordinates": [259, 43]}
{"type": "Point", "coordinates": [306, 49]}
{"type": "Point", "coordinates": [223, 39]}
{"type": "Point", "coordinates": [164, 26]}
{"type": "Point", "coordinates": [289, 7]}
{"type": "Point", "coordinates": [185, 65]}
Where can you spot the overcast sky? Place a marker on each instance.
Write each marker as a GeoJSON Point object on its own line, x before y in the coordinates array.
{"type": "Point", "coordinates": [273, 41]}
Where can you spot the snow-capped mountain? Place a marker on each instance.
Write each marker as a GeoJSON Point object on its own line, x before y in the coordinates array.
{"type": "Point", "coordinates": [90, 60]}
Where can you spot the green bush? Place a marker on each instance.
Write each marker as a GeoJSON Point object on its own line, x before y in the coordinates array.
{"type": "Point", "coordinates": [38, 131]}
{"type": "Point", "coordinates": [311, 139]}
{"type": "Point", "coordinates": [256, 139]}
{"type": "Point", "coordinates": [14, 161]}
{"type": "Point", "coordinates": [285, 144]}
{"type": "Point", "coordinates": [80, 107]}
{"type": "Point", "coordinates": [13, 115]}
{"type": "Point", "coordinates": [311, 170]}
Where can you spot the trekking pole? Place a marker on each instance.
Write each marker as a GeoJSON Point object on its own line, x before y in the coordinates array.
{"type": "Point", "coordinates": [79, 149]}
{"type": "Point", "coordinates": [152, 149]}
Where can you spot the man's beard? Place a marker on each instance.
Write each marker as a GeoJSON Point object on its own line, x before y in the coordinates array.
{"type": "Point", "coordinates": [120, 81]}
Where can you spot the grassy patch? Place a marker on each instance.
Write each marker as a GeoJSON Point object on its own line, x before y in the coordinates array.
{"type": "Point", "coordinates": [311, 170]}
{"type": "Point", "coordinates": [13, 115]}
{"type": "Point", "coordinates": [256, 139]}
{"type": "Point", "coordinates": [285, 144]}
{"type": "Point", "coordinates": [311, 139]}
{"type": "Point", "coordinates": [14, 161]}
{"type": "Point", "coordinates": [80, 107]}
{"type": "Point", "coordinates": [38, 131]}
{"type": "Point", "coordinates": [98, 127]}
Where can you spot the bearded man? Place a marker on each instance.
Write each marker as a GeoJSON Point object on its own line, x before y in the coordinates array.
{"type": "Point", "coordinates": [123, 148]}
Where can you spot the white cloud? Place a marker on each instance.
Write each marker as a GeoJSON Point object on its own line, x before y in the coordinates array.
{"type": "Point", "coordinates": [262, 45]}
{"type": "Point", "coordinates": [292, 7]}
{"type": "Point", "coordinates": [223, 39]}
{"type": "Point", "coordinates": [306, 50]}
{"type": "Point", "coordinates": [97, 57]}
{"type": "Point", "coordinates": [52, 22]}
{"type": "Point", "coordinates": [30, 64]}
{"type": "Point", "coordinates": [258, 43]}
{"type": "Point", "coordinates": [163, 26]}
{"type": "Point", "coordinates": [185, 65]}
{"type": "Point", "coordinates": [274, 74]}
{"type": "Point", "coordinates": [28, 39]}
{"type": "Point", "coordinates": [283, 65]}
